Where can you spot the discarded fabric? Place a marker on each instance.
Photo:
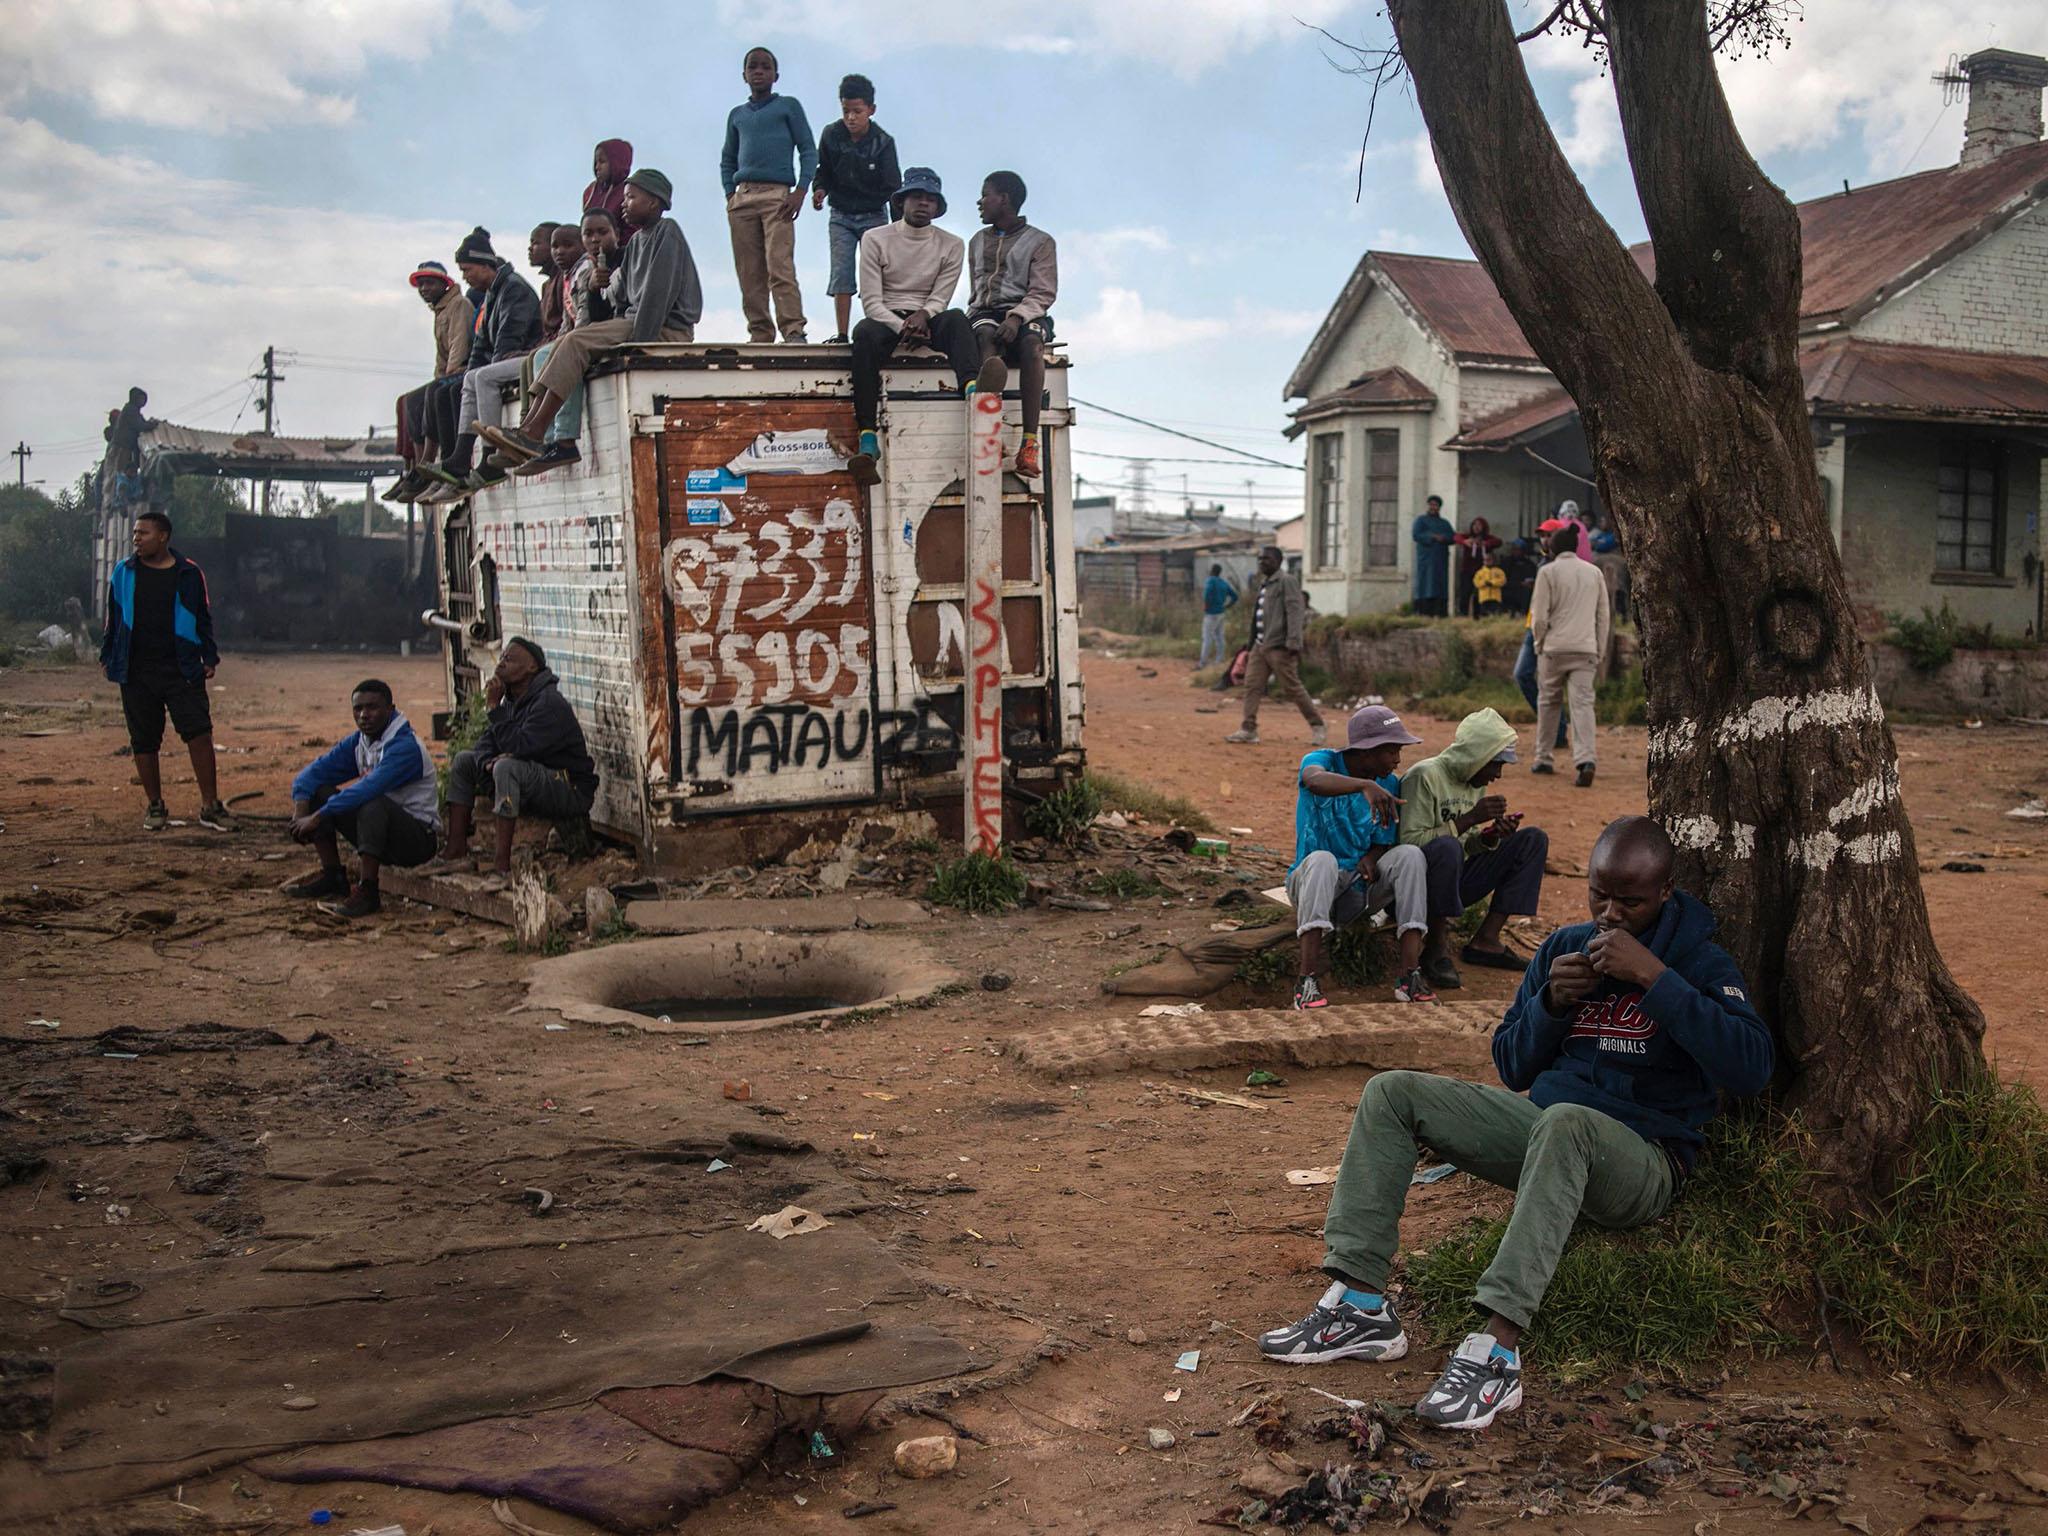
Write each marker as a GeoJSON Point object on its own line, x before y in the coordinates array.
{"type": "Point", "coordinates": [790, 1221]}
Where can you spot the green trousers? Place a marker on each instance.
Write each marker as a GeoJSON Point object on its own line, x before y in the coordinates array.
{"type": "Point", "coordinates": [1562, 1162]}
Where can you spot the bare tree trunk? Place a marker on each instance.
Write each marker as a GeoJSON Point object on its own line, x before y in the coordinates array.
{"type": "Point", "coordinates": [1770, 759]}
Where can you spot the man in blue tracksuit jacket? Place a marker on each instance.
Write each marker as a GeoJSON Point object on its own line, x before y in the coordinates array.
{"type": "Point", "coordinates": [159, 648]}
{"type": "Point", "coordinates": [1626, 1033]}
{"type": "Point", "coordinates": [389, 809]}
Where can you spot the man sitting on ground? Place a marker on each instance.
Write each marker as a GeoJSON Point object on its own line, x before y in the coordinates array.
{"type": "Point", "coordinates": [1013, 276]}
{"type": "Point", "coordinates": [1483, 852]}
{"type": "Point", "coordinates": [1349, 861]}
{"type": "Point", "coordinates": [655, 296]}
{"type": "Point", "coordinates": [1625, 1033]}
{"type": "Point", "coordinates": [908, 271]}
{"type": "Point", "coordinates": [375, 787]}
{"type": "Point", "coordinates": [532, 754]}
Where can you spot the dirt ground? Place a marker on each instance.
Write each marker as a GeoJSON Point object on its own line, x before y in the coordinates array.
{"type": "Point", "coordinates": [1121, 1223]}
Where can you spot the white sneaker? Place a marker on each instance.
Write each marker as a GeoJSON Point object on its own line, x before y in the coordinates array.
{"type": "Point", "coordinates": [1243, 738]}
{"type": "Point", "coordinates": [1319, 736]}
{"type": "Point", "coordinates": [1476, 1386]}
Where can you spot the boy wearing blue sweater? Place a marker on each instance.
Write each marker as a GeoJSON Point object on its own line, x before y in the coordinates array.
{"type": "Point", "coordinates": [389, 809]}
{"type": "Point", "coordinates": [763, 196]}
{"type": "Point", "coordinates": [1625, 1035]}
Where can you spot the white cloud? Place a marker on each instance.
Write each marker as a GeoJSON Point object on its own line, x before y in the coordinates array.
{"type": "Point", "coordinates": [1848, 70]}
{"type": "Point", "coordinates": [1121, 326]}
{"type": "Point", "coordinates": [1184, 36]}
{"type": "Point", "coordinates": [1103, 253]}
{"type": "Point", "coordinates": [178, 283]}
{"type": "Point", "coordinates": [222, 65]}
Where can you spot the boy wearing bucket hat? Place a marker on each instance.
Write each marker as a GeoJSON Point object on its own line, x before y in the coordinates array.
{"type": "Point", "coordinates": [908, 271]}
{"type": "Point", "coordinates": [1349, 861]}
{"type": "Point", "coordinates": [655, 296]}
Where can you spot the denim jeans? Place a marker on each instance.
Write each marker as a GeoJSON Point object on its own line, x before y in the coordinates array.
{"type": "Point", "coordinates": [1213, 649]}
{"type": "Point", "coordinates": [568, 422]}
{"type": "Point", "coordinates": [844, 231]}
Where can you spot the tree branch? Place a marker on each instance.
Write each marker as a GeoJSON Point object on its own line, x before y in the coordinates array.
{"type": "Point", "coordinates": [1556, 14]}
{"type": "Point", "coordinates": [1577, 294]}
{"type": "Point", "coordinates": [1726, 239]}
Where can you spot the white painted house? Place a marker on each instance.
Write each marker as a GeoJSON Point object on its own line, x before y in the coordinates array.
{"type": "Point", "coordinates": [1925, 352]}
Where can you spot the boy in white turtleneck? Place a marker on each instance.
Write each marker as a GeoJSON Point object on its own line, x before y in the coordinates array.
{"type": "Point", "coordinates": [908, 271]}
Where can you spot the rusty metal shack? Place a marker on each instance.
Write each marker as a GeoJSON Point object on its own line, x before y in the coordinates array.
{"type": "Point", "coordinates": [745, 631]}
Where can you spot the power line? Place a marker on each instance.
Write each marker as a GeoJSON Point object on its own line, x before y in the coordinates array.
{"type": "Point", "coordinates": [1101, 453]}
{"type": "Point", "coordinates": [1172, 432]}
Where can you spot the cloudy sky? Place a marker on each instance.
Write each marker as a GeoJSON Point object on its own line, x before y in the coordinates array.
{"type": "Point", "coordinates": [185, 181]}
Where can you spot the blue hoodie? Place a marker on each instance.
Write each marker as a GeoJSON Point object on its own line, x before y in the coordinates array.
{"type": "Point", "coordinates": [394, 764]}
{"type": "Point", "coordinates": [1657, 1061]}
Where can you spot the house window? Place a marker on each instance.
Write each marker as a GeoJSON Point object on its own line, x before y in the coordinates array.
{"type": "Point", "coordinates": [1329, 497]}
{"type": "Point", "coordinates": [1382, 498]}
{"type": "Point", "coordinates": [1970, 490]}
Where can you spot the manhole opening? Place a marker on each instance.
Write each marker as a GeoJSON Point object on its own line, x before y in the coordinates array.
{"type": "Point", "coordinates": [725, 1010]}
{"type": "Point", "coordinates": [736, 979]}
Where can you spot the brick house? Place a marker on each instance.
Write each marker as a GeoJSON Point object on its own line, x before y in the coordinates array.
{"type": "Point", "coordinates": [1924, 320]}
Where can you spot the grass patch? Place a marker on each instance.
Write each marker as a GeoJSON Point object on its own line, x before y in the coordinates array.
{"type": "Point", "coordinates": [1065, 815]}
{"type": "Point", "coordinates": [977, 883]}
{"type": "Point", "coordinates": [1480, 693]}
{"type": "Point", "coordinates": [1621, 700]}
{"type": "Point", "coordinates": [1135, 799]}
{"type": "Point", "coordinates": [1945, 1270]}
{"type": "Point", "coordinates": [1123, 885]}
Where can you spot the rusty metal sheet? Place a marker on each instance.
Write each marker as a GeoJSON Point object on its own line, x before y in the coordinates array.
{"type": "Point", "coordinates": [765, 569]}
{"type": "Point", "coordinates": [1849, 376]}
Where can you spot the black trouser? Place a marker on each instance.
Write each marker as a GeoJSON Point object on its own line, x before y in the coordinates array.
{"type": "Point", "coordinates": [1511, 873]}
{"type": "Point", "coordinates": [154, 687]}
{"type": "Point", "coordinates": [382, 829]}
{"type": "Point", "coordinates": [873, 342]}
{"type": "Point", "coordinates": [444, 396]}
{"type": "Point", "coordinates": [412, 422]}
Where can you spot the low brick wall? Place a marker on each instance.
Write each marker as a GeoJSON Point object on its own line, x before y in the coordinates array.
{"type": "Point", "coordinates": [1976, 683]}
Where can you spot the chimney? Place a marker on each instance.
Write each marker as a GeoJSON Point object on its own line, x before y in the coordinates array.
{"type": "Point", "coordinates": [2005, 103]}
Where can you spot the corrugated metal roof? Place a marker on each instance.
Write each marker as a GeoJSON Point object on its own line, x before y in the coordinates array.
{"type": "Point", "coordinates": [237, 449]}
{"type": "Point", "coordinates": [1384, 389]}
{"type": "Point", "coordinates": [1519, 424]}
{"type": "Point", "coordinates": [1846, 376]}
{"type": "Point", "coordinates": [1459, 302]}
{"type": "Point", "coordinates": [1859, 248]}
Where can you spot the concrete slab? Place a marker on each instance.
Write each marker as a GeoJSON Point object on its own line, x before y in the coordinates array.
{"type": "Point", "coordinates": [804, 914]}
{"type": "Point", "coordinates": [1453, 1038]}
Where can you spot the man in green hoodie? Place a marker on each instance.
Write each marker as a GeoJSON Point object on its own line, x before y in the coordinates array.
{"type": "Point", "coordinates": [1485, 852]}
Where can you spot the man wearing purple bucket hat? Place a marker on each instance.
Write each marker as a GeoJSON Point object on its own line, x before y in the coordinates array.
{"type": "Point", "coordinates": [1349, 861]}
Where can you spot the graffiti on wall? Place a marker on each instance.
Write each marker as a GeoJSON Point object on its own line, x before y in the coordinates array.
{"type": "Point", "coordinates": [984, 672]}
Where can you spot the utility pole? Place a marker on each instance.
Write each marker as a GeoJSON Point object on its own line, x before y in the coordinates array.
{"type": "Point", "coordinates": [270, 379]}
{"type": "Point", "coordinates": [22, 453]}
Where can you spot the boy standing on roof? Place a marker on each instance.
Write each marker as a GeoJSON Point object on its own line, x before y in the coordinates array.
{"type": "Point", "coordinates": [1013, 276]}
{"type": "Point", "coordinates": [857, 171]}
{"type": "Point", "coordinates": [763, 196]}
{"type": "Point", "coordinates": [609, 167]}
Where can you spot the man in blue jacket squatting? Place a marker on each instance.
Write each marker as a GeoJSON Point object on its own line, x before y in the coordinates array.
{"type": "Point", "coordinates": [389, 809]}
{"type": "Point", "coordinates": [1625, 1033]}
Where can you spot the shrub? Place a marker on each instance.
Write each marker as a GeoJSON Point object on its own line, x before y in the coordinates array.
{"type": "Point", "coordinates": [977, 883]}
{"type": "Point", "coordinates": [1065, 815]}
{"type": "Point", "coordinates": [464, 727]}
{"type": "Point", "coordinates": [1123, 885]}
{"type": "Point", "coordinates": [1932, 640]}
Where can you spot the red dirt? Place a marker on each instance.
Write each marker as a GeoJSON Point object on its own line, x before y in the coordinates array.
{"type": "Point", "coordinates": [1097, 1205]}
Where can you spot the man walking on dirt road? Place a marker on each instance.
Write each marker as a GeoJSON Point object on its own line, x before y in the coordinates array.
{"type": "Point", "coordinates": [1625, 1034]}
{"type": "Point", "coordinates": [159, 648]}
{"type": "Point", "coordinates": [1279, 620]}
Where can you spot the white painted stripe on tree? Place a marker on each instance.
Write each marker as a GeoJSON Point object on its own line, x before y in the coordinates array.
{"type": "Point", "coordinates": [1703, 833]}
{"type": "Point", "coordinates": [1836, 709]}
{"type": "Point", "coordinates": [1866, 797]}
{"type": "Point", "coordinates": [1677, 737]}
{"type": "Point", "coordinates": [1824, 848]}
